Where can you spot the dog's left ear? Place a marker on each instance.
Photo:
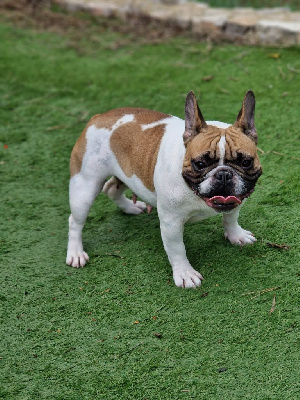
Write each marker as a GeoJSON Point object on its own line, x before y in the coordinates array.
{"type": "Point", "coordinates": [245, 118]}
{"type": "Point", "coordinates": [194, 120]}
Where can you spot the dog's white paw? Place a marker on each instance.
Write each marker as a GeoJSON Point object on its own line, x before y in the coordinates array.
{"type": "Point", "coordinates": [187, 277]}
{"type": "Point", "coordinates": [239, 236]}
{"type": "Point", "coordinates": [133, 208]}
{"type": "Point", "coordinates": [77, 259]}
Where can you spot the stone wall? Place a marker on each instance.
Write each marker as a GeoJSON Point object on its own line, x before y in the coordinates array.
{"type": "Point", "coordinates": [266, 26]}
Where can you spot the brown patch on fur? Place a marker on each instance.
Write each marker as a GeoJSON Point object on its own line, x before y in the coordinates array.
{"type": "Point", "coordinates": [136, 149]}
{"type": "Point", "coordinates": [107, 121]}
{"type": "Point", "coordinates": [78, 153]}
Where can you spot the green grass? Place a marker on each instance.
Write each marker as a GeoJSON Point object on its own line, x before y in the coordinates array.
{"type": "Point", "coordinates": [293, 4]}
{"type": "Point", "coordinates": [119, 328]}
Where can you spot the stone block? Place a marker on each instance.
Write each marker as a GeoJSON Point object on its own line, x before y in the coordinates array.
{"type": "Point", "coordinates": [207, 29]}
{"type": "Point", "coordinates": [277, 32]}
{"type": "Point", "coordinates": [244, 17]}
{"type": "Point", "coordinates": [184, 13]}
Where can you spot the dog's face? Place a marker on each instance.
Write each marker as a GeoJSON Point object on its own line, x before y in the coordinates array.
{"type": "Point", "coordinates": [221, 165]}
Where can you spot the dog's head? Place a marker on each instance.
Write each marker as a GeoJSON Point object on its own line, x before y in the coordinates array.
{"type": "Point", "coordinates": [221, 165]}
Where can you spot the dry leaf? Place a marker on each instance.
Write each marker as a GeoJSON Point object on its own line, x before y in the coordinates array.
{"type": "Point", "coordinates": [274, 55]}
{"type": "Point", "coordinates": [208, 78]}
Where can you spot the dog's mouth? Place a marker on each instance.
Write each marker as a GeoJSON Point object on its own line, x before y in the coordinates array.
{"type": "Point", "coordinates": [225, 203]}
{"type": "Point", "coordinates": [221, 203]}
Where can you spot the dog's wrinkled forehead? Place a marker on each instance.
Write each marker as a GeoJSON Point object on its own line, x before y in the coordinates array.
{"type": "Point", "coordinates": [220, 143]}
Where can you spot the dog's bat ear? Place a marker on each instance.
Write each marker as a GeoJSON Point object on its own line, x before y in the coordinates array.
{"type": "Point", "coordinates": [194, 120]}
{"type": "Point", "coordinates": [245, 118]}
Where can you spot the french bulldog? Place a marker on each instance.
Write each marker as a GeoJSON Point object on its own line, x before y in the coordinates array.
{"type": "Point", "coordinates": [188, 169]}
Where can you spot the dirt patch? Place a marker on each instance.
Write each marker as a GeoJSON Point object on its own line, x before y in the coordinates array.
{"type": "Point", "coordinates": [38, 14]}
{"type": "Point", "coordinates": [45, 16]}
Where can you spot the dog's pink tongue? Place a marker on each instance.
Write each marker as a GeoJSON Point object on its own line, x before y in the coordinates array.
{"type": "Point", "coordinates": [222, 200]}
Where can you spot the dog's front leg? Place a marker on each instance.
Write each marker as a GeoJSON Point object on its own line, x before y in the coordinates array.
{"type": "Point", "coordinates": [233, 232]}
{"type": "Point", "coordinates": [172, 235]}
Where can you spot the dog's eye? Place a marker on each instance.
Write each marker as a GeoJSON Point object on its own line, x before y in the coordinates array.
{"type": "Point", "coordinates": [247, 163]}
{"type": "Point", "coordinates": [198, 165]}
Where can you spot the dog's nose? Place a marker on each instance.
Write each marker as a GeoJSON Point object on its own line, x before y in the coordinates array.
{"type": "Point", "coordinates": [224, 175]}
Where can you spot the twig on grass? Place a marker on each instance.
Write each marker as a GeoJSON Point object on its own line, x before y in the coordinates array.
{"type": "Point", "coordinates": [281, 72]}
{"type": "Point", "coordinates": [240, 55]}
{"type": "Point", "coordinates": [273, 304]}
{"type": "Point", "coordinates": [224, 90]}
{"type": "Point", "coordinates": [130, 350]}
{"type": "Point", "coordinates": [114, 255]}
{"type": "Point", "coordinates": [278, 246]}
{"type": "Point", "coordinates": [260, 150]}
{"type": "Point", "coordinates": [292, 69]}
{"type": "Point", "coordinates": [260, 292]}
{"type": "Point", "coordinates": [281, 154]}
{"type": "Point", "coordinates": [233, 78]}
{"type": "Point", "coordinates": [159, 309]}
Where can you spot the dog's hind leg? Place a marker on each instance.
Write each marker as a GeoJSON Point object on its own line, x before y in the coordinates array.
{"type": "Point", "coordinates": [83, 190]}
{"type": "Point", "coordinates": [114, 188]}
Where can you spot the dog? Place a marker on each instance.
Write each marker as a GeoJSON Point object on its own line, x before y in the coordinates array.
{"type": "Point", "coordinates": [188, 169]}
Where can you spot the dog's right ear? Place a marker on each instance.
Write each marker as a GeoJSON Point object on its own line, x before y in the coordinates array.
{"type": "Point", "coordinates": [194, 121]}
{"type": "Point", "coordinates": [245, 118]}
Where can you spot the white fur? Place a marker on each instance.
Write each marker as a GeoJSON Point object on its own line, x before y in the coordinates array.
{"type": "Point", "coordinates": [175, 201]}
{"type": "Point", "coordinates": [123, 120]}
{"type": "Point", "coordinates": [233, 232]}
{"type": "Point", "coordinates": [154, 124]}
{"type": "Point", "coordinates": [218, 124]}
{"type": "Point", "coordinates": [221, 145]}
{"type": "Point", "coordinates": [115, 192]}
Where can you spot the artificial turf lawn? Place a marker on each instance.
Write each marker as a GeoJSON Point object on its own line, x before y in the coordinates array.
{"type": "Point", "coordinates": [119, 328]}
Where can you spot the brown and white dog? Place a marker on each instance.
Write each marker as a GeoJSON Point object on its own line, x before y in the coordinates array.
{"type": "Point", "coordinates": [190, 170]}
